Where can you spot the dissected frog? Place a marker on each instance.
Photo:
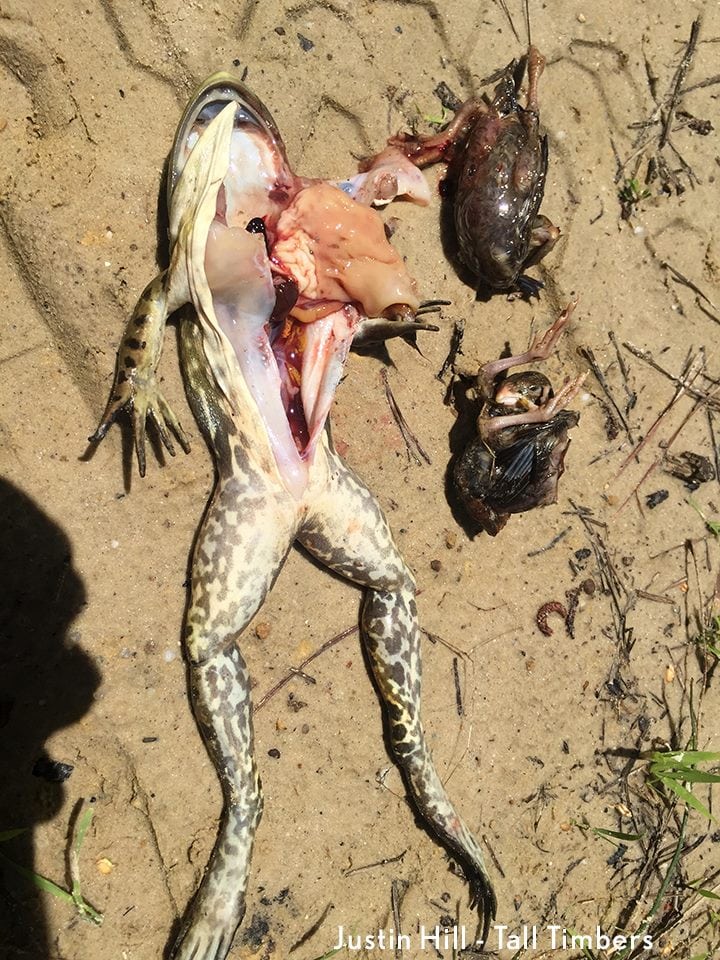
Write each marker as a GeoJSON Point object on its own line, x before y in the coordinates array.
{"type": "Point", "coordinates": [281, 274]}
{"type": "Point", "coordinates": [497, 163]}
{"type": "Point", "coordinates": [515, 462]}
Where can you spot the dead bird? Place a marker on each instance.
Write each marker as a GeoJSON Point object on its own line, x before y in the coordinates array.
{"type": "Point", "coordinates": [497, 165]}
{"type": "Point", "coordinates": [515, 462]}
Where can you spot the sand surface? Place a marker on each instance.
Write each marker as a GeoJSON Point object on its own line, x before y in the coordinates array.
{"type": "Point", "coordinates": [539, 749]}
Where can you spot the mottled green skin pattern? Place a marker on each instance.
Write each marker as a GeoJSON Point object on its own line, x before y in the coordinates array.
{"type": "Point", "coordinates": [248, 529]}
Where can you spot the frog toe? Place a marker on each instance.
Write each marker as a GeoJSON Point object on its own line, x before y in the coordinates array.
{"type": "Point", "coordinates": [482, 897]}
{"type": "Point", "coordinates": [148, 403]}
{"type": "Point", "coordinates": [202, 944]}
{"type": "Point", "coordinates": [119, 398]}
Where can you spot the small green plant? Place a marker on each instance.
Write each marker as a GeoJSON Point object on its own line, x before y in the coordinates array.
{"type": "Point", "coordinates": [604, 834]}
{"type": "Point", "coordinates": [630, 195]}
{"type": "Point", "coordinates": [436, 121]}
{"type": "Point", "coordinates": [675, 770]}
{"type": "Point", "coordinates": [74, 895]}
{"type": "Point", "coordinates": [712, 526]}
{"type": "Point", "coordinates": [709, 636]}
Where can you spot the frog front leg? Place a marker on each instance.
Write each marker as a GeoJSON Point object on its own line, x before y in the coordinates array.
{"type": "Point", "coordinates": [135, 385]}
{"type": "Point", "coordinates": [243, 542]}
{"type": "Point", "coordinates": [347, 531]}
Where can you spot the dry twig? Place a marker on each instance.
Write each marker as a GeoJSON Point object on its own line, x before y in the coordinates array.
{"type": "Point", "coordinates": [412, 443]}
{"type": "Point", "coordinates": [298, 670]}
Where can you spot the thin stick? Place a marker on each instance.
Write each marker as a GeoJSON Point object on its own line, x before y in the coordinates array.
{"type": "Point", "coordinates": [713, 439]}
{"type": "Point", "coordinates": [609, 578]}
{"type": "Point", "coordinates": [705, 310]}
{"type": "Point", "coordinates": [692, 371]}
{"type": "Point", "coordinates": [313, 929]}
{"type": "Point", "coordinates": [398, 889]}
{"type": "Point", "coordinates": [493, 856]}
{"type": "Point", "coordinates": [548, 546]}
{"type": "Point", "coordinates": [294, 672]}
{"type": "Point", "coordinates": [411, 441]}
{"type": "Point", "coordinates": [458, 691]}
{"type": "Point", "coordinates": [656, 463]}
{"type": "Point", "coordinates": [688, 283]}
{"type": "Point", "coordinates": [630, 394]}
{"type": "Point", "coordinates": [708, 82]}
{"type": "Point", "coordinates": [678, 81]}
{"type": "Point", "coordinates": [588, 355]}
{"type": "Point", "coordinates": [504, 7]}
{"type": "Point", "coordinates": [711, 399]}
{"type": "Point", "coordinates": [455, 348]}
{"type": "Point", "coordinates": [436, 638]}
{"type": "Point", "coordinates": [378, 863]}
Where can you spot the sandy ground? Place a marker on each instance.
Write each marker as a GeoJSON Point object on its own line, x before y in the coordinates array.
{"type": "Point", "coordinates": [94, 561]}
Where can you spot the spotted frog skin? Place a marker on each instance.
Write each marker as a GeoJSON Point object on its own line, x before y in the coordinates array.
{"type": "Point", "coordinates": [497, 165]}
{"type": "Point", "coordinates": [262, 347]}
{"type": "Point", "coordinates": [515, 462]}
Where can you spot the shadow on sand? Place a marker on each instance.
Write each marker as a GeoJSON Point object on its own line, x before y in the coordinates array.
{"type": "Point", "coordinates": [46, 683]}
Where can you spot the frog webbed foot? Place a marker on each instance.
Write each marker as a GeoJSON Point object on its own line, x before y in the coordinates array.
{"type": "Point", "coordinates": [135, 387]}
{"type": "Point", "coordinates": [203, 944]}
{"type": "Point", "coordinates": [148, 402]}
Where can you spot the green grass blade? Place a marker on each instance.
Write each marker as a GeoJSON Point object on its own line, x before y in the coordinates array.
{"type": "Point", "coordinates": [684, 757]}
{"type": "Point", "coordinates": [616, 835]}
{"type": "Point", "coordinates": [692, 801]}
{"type": "Point", "coordinates": [690, 775]}
{"type": "Point", "coordinates": [42, 883]}
{"type": "Point", "coordinates": [82, 828]}
{"type": "Point", "coordinates": [9, 834]}
{"type": "Point", "coordinates": [48, 886]}
{"type": "Point", "coordinates": [708, 894]}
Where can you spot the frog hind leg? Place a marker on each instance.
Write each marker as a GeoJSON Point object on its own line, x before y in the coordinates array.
{"type": "Point", "coordinates": [347, 531]}
{"type": "Point", "coordinates": [233, 570]}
